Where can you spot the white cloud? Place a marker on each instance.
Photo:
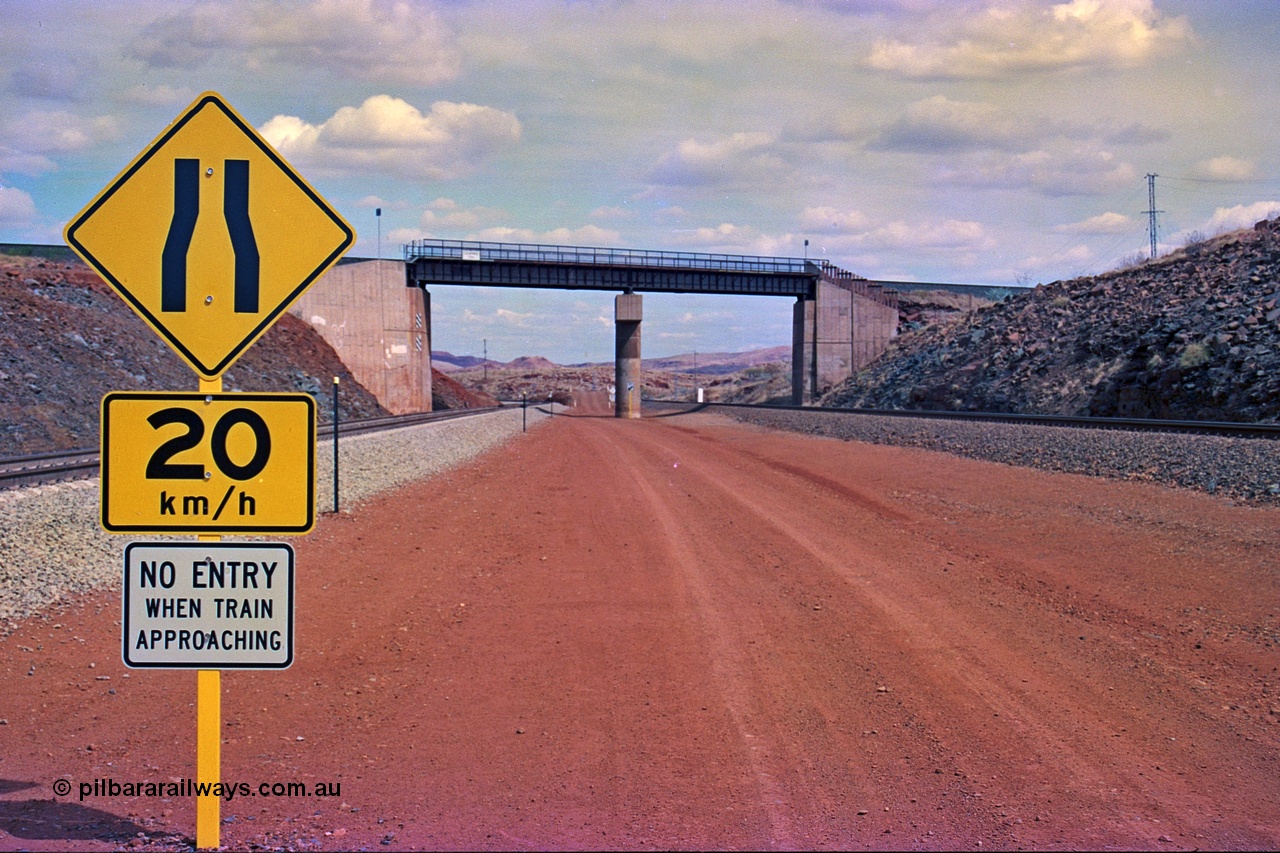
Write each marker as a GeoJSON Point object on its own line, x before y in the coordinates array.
{"type": "Point", "coordinates": [633, 40]}
{"type": "Point", "coordinates": [948, 234]}
{"type": "Point", "coordinates": [48, 77]}
{"type": "Point", "coordinates": [390, 135]}
{"type": "Point", "coordinates": [1226, 169]}
{"type": "Point", "coordinates": [1083, 170]}
{"type": "Point", "coordinates": [1020, 36]}
{"type": "Point", "coordinates": [847, 231]}
{"type": "Point", "coordinates": [396, 42]}
{"type": "Point", "coordinates": [732, 239]}
{"type": "Point", "coordinates": [1103, 223]}
{"type": "Point", "coordinates": [159, 96]}
{"type": "Point", "coordinates": [940, 124]}
{"type": "Point", "coordinates": [611, 213]}
{"type": "Point", "coordinates": [16, 207]}
{"type": "Point", "coordinates": [587, 235]}
{"type": "Point", "coordinates": [24, 163]}
{"type": "Point", "coordinates": [513, 318]}
{"type": "Point", "coordinates": [1241, 216]}
{"type": "Point", "coordinates": [498, 317]}
{"type": "Point", "coordinates": [26, 140]}
{"type": "Point", "coordinates": [727, 160]}
{"type": "Point", "coordinates": [1076, 257]}
{"type": "Point", "coordinates": [832, 221]}
{"type": "Point", "coordinates": [725, 232]}
{"type": "Point", "coordinates": [447, 213]}
{"type": "Point", "coordinates": [60, 132]}
{"type": "Point", "coordinates": [372, 202]}
{"type": "Point", "coordinates": [405, 235]}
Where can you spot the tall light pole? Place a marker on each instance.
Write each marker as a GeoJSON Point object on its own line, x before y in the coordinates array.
{"type": "Point", "coordinates": [486, 360]}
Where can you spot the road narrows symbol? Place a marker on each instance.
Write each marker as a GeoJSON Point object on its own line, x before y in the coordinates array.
{"type": "Point", "coordinates": [235, 209]}
{"type": "Point", "coordinates": [186, 210]}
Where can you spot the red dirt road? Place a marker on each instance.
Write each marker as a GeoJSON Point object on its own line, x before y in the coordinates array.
{"type": "Point", "coordinates": [683, 632]}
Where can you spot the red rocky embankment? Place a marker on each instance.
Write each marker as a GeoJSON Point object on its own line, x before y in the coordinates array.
{"type": "Point", "coordinates": [1194, 335]}
{"type": "Point", "coordinates": [66, 339]}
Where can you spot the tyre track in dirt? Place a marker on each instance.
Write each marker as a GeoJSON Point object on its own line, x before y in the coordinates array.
{"type": "Point", "coordinates": [901, 623]}
{"type": "Point", "coordinates": [1032, 725]}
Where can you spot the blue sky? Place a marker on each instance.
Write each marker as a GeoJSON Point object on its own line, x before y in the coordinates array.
{"type": "Point", "coordinates": [986, 141]}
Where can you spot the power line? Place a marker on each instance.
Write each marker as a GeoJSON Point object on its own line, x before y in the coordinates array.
{"type": "Point", "coordinates": [1224, 180]}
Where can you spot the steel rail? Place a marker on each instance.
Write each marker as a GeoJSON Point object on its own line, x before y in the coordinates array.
{"type": "Point", "coordinates": [1213, 428]}
{"type": "Point", "coordinates": [43, 468]}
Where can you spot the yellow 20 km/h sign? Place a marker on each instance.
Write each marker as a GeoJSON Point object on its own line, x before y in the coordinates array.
{"type": "Point", "coordinates": [208, 463]}
{"type": "Point", "coordinates": [209, 235]}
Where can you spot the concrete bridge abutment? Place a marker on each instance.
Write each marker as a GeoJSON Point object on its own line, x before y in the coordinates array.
{"type": "Point", "coordinates": [378, 327]}
{"type": "Point", "coordinates": [843, 328]}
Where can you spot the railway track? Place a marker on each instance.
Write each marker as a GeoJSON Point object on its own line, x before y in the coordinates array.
{"type": "Point", "coordinates": [54, 467]}
{"type": "Point", "coordinates": [40, 468]}
{"type": "Point", "coordinates": [1224, 429]}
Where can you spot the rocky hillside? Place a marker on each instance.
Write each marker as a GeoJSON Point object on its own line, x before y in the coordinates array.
{"type": "Point", "coordinates": [448, 393]}
{"type": "Point", "coordinates": [1192, 335]}
{"type": "Point", "coordinates": [66, 339]}
{"type": "Point", "coordinates": [765, 382]}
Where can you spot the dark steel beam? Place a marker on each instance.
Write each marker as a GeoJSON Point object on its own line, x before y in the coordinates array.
{"type": "Point", "coordinates": [584, 268]}
{"type": "Point", "coordinates": [435, 271]}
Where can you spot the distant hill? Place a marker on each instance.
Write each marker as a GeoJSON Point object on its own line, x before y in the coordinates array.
{"type": "Point", "coordinates": [447, 361]}
{"type": "Point", "coordinates": [529, 362]}
{"type": "Point", "coordinates": [708, 363]}
{"type": "Point", "coordinates": [718, 363]}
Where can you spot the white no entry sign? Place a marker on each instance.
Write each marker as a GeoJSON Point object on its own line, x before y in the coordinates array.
{"type": "Point", "coordinates": [208, 605]}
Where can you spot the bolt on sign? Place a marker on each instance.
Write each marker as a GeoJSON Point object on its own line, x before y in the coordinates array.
{"type": "Point", "coordinates": [209, 235]}
{"type": "Point", "coordinates": [177, 462]}
{"type": "Point", "coordinates": [208, 605]}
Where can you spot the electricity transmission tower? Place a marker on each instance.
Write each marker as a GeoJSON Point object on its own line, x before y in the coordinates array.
{"type": "Point", "coordinates": [1151, 210]}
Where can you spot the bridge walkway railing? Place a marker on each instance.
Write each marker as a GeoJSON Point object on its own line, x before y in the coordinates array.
{"type": "Point", "coordinates": [472, 250]}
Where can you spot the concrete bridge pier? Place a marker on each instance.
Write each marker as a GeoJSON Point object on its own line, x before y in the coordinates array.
{"type": "Point", "coordinates": [801, 351]}
{"type": "Point", "coordinates": [627, 312]}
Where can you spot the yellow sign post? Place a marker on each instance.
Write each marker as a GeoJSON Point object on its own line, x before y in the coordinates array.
{"type": "Point", "coordinates": [209, 725]}
{"type": "Point", "coordinates": [176, 462]}
{"type": "Point", "coordinates": [210, 236]}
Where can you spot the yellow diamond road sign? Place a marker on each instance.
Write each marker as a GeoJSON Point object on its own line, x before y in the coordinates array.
{"type": "Point", "coordinates": [210, 235]}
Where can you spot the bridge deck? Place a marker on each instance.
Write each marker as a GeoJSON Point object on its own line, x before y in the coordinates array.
{"type": "Point", "coordinates": [430, 262]}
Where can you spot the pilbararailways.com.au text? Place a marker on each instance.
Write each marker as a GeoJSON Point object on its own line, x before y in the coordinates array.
{"type": "Point", "coordinates": [189, 788]}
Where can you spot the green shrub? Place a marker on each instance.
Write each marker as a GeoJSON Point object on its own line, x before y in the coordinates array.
{"type": "Point", "coordinates": [1193, 356]}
